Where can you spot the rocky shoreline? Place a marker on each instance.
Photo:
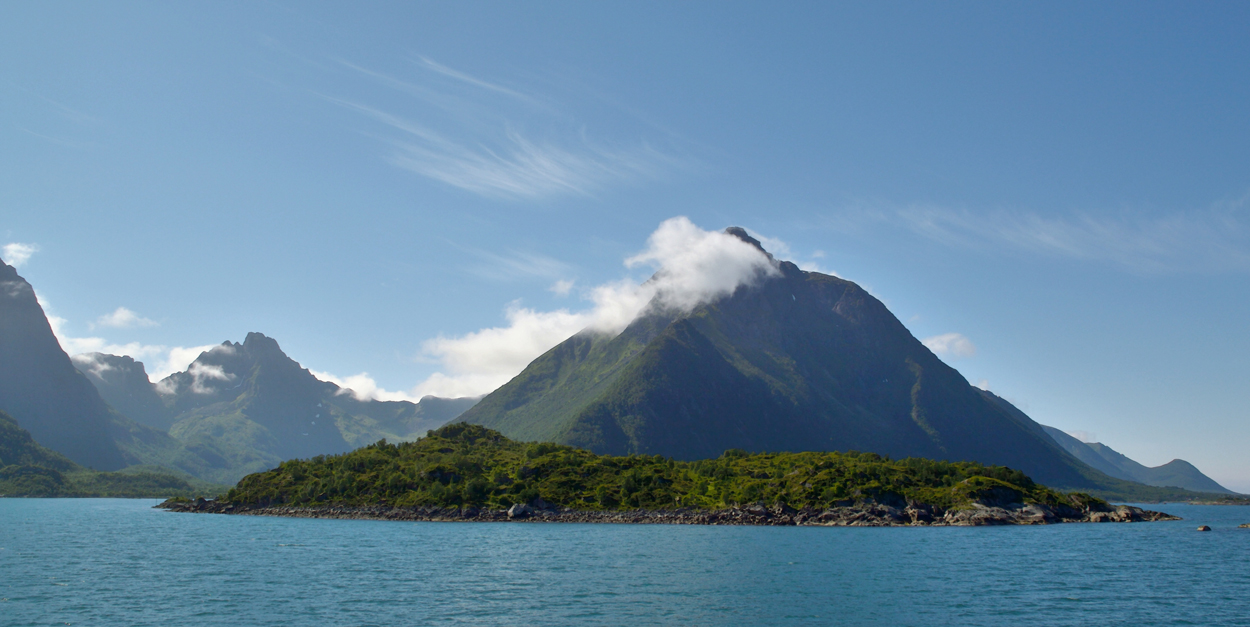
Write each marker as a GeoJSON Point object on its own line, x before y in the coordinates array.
{"type": "Point", "coordinates": [865, 515]}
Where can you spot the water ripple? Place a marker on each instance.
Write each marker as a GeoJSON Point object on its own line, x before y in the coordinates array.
{"type": "Point", "coordinates": [118, 562]}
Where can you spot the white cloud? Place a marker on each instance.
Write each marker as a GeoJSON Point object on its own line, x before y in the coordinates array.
{"type": "Point", "coordinates": [562, 287]}
{"type": "Point", "coordinates": [202, 374]}
{"type": "Point", "coordinates": [179, 359]}
{"type": "Point", "coordinates": [17, 254]}
{"type": "Point", "coordinates": [984, 384]}
{"type": "Point", "coordinates": [950, 345]}
{"type": "Point", "coordinates": [692, 266]}
{"type": "Point", "coordinates": [363, 387]}
{"type": "Point", "coordinates": [1084, 436]}
{"type": "Point", "coordinates": [122, 318]}
{"type": "Point", "coordinates": [91, 362]}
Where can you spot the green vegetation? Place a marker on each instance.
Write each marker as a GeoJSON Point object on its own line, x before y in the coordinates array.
{"type": "Point", "coordinates": [28, 469]}
{"type": "Point", "coordinates": [469, 465]}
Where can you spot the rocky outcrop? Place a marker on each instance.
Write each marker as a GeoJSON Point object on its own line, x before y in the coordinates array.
{"type": "Point", "coordinates": [867, 515]}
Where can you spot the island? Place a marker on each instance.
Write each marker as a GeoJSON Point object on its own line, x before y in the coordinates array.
{"type": "Point", "coordinates": [465, 472]}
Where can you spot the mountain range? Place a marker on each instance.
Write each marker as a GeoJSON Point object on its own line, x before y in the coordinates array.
{"type": "Point", "coordinates": [801, 361]}
{"type": "Point", "coordinates": [248, 406]}
{"type": "Point", "coordinates": [237, 409]}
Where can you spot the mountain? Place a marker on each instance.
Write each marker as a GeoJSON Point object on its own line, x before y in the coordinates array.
{"type": "Point", "coordinates": [246, 407]}
{"type": "Point", "coordinates": [124, 385]}
{"type": "Point", "coordinates": [50, 398]}
{"type": "Point", "coordinates": [1177, 473]}
{"type": "Point", "coordinates": [800, 362]}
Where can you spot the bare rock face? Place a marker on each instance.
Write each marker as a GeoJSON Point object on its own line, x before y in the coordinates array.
{"type": "Point", "coordinates": [520, 510]}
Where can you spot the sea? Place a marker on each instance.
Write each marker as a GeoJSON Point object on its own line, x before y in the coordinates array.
{"type": "Point", "coordinates": [121, 562]}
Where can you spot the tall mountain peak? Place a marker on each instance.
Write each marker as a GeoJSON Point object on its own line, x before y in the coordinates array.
{"type": "Point", "coordinates": [804, 362]}
{"type": "Point", "coordinates": [41, 389]}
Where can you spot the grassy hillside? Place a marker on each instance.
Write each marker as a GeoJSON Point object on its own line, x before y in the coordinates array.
{"type": "Point", "coordinates": [468, 465]}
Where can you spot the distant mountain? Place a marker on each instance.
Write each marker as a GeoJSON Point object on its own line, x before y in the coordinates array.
{"type": "Point", "coordinates": [246, 407]}
{"type": "Point", "coordinates": [801, 362]}
{"type": "Point", "coordinates": [1177, 473]}
{"type": "Point", "coordinates": [41, 389]}
{"type": "Point", "coordinates": [124, 385]}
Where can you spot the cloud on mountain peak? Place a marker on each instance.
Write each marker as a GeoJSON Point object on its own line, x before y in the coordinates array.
{"type": "Point", "coordinates": [692, 266]}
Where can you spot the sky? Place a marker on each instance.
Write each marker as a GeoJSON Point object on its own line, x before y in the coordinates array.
{"type": "Point", "coordinates": [418, 198]}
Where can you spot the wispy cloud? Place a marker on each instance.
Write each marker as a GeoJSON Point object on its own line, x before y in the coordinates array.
{"type": "Point", "coordinates": [514, 265]}
{"type": "Point", "coordinates": [471, 80]}
{"type": "Point", "coordinates": [17, 254]}
{"type": "Point", "coordinates": [1216, 238]}
{"type": "Point", "coordinates": [483, 145]}
{"type": "Point", "coordinates": [122, 318]}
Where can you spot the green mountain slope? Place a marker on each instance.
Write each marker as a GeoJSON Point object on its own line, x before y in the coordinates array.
{"type": "Point", "coordinates": [1177, 473]}
{"type": "Point", "coordinates": [802, 362]}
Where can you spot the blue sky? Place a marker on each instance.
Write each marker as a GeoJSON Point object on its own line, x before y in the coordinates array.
{"type": "Point", "coordinates": [406, 190]}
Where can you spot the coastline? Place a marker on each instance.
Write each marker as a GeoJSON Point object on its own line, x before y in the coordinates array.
{"type": "Point", "coordinates": [865, 515]}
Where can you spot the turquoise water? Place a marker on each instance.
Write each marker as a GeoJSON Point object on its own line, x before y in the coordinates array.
{"type": "Point", "coordinates": [119, 562]}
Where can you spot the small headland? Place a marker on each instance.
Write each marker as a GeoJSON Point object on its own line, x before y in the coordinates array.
{"type": "Point", "coordinates": [465, 472]}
